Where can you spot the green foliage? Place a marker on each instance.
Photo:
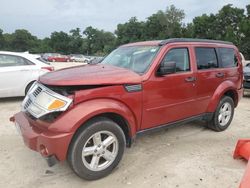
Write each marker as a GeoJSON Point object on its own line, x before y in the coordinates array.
{"type": "Point", "coordinates": [22, 40]}
{"type": "Point", "coordinates": [98, 42]}
{"type": "Point", "coordinates": [2, 41]}
{"type": "Point", "coordinates": [131, 31]}
{"type": "Point", "coordinates": [59, 42]}
{"type": "Point", "coordinates": [230, 24]}
{"type": "Point", "coordinates": [75, 43]}
{"type": "Point", "coordinates": [160, 25]}
{"type": "Point", "coordinates": [166, 24]}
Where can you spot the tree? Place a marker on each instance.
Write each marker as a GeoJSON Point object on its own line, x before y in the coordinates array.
{"type": "Point", "coordinates": [166, 24]}
{"type": "Point", "coordinates": [22, 40]}
{"type": "Point", "coordinates": [98, 41]}
{"type": "Point", "coordinates": [229, 23]}
{"type": "Point", "coordinates": [44, 46]}
{"type": "Point", "coordinates": [131, 31]}
{"type": "Point", "coordinates": [203, 26]}
{"type": "Point", "coordinates": [245, 33]}
{"type": "Point", "coordinates": [75, 44]}
{"type": "Point", "coordinates": [2, 41]}
{"type": "Point", "coordinates": [59, 42]}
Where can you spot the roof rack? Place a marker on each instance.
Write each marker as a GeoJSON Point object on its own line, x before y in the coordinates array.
{"type": "Point", "coordinates": [172, 40]}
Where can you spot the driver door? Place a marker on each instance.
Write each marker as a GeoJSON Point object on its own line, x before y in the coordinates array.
{"type": "Point", "coordinates": [169, 98]}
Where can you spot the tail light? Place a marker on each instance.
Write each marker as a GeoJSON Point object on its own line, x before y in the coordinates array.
{"type": "Point", "coordinates": [48, 68]}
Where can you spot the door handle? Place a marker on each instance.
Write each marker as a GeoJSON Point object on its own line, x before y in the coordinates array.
{"type": "Point", "coordinates": [220, 75]}
{"type": "Point", "coordinates": [190, 79]}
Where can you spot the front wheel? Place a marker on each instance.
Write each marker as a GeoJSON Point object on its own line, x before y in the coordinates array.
{"type": "Point", "coordinates": [96, 149]}
{"type": "Point", "coordinates": [223, 115]}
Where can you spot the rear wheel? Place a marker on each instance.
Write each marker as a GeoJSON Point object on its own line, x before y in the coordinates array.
{"type": "Point", "coordinates": [223, 115]}
{"type": "Point", "coordinates": [96, 149]}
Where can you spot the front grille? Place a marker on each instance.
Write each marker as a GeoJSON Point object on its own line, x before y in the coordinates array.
{"type": "Point", "coordinates": [37, 91]}
{"type": "Point", "coordinates": [32, 95]}
{"type": "Point", "coordinates": [27, 104]}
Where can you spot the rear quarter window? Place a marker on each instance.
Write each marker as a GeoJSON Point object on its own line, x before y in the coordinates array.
{"type": "Point", "coordinates": [228, 57]}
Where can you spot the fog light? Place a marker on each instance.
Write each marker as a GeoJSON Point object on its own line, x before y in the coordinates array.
{"type": "Point", "coordinates": [43, 150]}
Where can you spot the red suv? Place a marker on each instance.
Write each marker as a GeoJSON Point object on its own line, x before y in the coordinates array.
{"type": "Point", "coordinates": [88, 114]}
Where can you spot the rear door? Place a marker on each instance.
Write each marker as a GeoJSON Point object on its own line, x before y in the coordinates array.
{"type": "Point", "coordinates": [209, 74]}
{"type": "Point", "coordinates": [170, 97]}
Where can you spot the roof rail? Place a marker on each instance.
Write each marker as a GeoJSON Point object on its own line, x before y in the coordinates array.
{"type": "Point", "coordinates": [172, 40]}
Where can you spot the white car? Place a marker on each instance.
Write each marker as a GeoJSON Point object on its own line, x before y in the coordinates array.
{"type": "Point", "coordinates": [78, 58]}
{"type": "Point", "coordinates": [18, 71]}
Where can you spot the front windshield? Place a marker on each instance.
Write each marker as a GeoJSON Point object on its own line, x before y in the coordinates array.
{"type": "Point", "coordinates": [135, 58]}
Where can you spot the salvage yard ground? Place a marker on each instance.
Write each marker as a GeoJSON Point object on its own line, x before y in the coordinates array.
{"type": "Point", "coordinates": [185, 157]}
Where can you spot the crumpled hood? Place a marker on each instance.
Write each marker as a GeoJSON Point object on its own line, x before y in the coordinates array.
{"type": "Point", "coordinates": [98, 74]}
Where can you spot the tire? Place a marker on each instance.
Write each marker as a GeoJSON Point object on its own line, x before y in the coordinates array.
{"type": "Point", "coordinates": [223, 115]}
{"type": "Point", "coordinates": [28, 87]}
{"type": "Point", "coordinates": [95, 135]}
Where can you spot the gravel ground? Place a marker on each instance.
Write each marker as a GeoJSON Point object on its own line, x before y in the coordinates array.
{"type": "Point", "coordinates": [187, 156]}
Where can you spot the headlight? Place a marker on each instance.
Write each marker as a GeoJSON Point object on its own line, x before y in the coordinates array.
{"type": "Point", "coordinates": [41, 101]}
{"type": "Point", "coordinates": [56, 104]}
{"type": "Point", "coordinates": [49, 102]}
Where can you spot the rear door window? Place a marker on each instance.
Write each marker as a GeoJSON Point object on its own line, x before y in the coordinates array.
{"type": "Point", "coordinates": [228, 57]}
{"type": "Point", "coordinates": [206, 58]}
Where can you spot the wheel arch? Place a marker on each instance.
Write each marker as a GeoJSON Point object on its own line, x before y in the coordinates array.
{"type": "Point", "coordinates": [76, 118]}
{"type": "Point", "coordinates": [227, 88]}
{"type": "Point", "coordinates": [117, 118]}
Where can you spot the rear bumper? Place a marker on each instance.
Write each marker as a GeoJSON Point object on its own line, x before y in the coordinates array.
{"type": "Point", "coordinates": [46, 142]}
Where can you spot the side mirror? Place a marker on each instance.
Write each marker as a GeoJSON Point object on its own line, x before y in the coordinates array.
{"type": "Point", "coordinates": [167, 67]}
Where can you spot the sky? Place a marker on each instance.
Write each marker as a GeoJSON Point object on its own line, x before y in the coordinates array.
{"type": "Point", "coordinates": [42, 17]}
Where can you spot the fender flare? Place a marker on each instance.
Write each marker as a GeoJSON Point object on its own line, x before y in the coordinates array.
{"type": "Point", "coordinates": [82, 112]}
{"type": "Point", "coordinates": [219, 92]}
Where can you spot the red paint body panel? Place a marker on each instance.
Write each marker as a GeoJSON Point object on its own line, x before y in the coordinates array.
{"type": "Point", "coordinates": [34, 138]}
{"type": "Point", "coordinates": [162, 99]}
{"type": "Point", "coordinates": [91, 75]}
{"type": "Point", "coordinates": [170, 95]}
{"type": "Point", "coordinates": [242, 150]}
